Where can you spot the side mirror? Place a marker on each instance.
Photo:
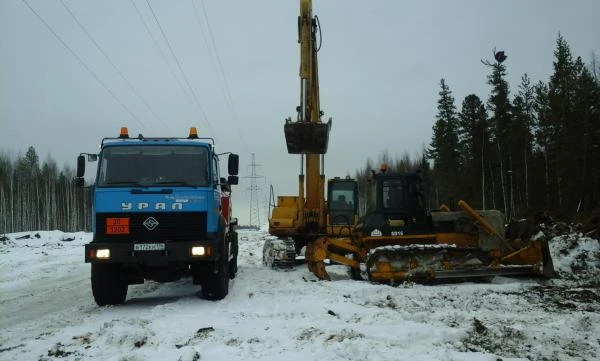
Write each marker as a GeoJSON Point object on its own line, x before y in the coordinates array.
{"type": "Point", "coordinates": [233, 164]}
{"type": "Point", "coordinates": [233, 179]}
{"type": "Point", "coordinates": [233, 222]}
{"type": "Point", "coordinates": [80, 166]}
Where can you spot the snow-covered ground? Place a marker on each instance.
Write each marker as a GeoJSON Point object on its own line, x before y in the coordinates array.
{"type": "Point", "coordinates": [47, 312]}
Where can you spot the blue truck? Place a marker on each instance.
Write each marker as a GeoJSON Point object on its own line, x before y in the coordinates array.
{"type": "Point", "coordinates": [161, 211]}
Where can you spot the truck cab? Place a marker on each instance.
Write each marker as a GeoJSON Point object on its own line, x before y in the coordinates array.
{"type": "Point", "coordinates": [161, 211]}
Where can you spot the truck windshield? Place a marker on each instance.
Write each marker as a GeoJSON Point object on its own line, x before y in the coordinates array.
{"type": "Point", "coordinates": [153, 165]}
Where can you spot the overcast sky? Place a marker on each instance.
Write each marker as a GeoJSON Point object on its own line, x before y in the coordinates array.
{"type": "Point", "coordinates": [380, 67]}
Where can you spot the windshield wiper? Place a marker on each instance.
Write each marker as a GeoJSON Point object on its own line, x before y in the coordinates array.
{"type": "Point", "coordinates": [178, 183]}
{"type": "Point", "coordinates": [125, 183]}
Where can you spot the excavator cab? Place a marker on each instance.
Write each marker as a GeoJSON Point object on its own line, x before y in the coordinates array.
{"type": "Point", "coordinates": [342, 205]}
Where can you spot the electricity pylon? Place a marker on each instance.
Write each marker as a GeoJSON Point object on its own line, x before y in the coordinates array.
{"type": "Point", "coordinates": [255, 190]}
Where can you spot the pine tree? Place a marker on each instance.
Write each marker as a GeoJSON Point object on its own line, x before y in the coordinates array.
{"type": "Point", "coordinates": [585, 141]}
{"type": "Point", "coordinates": [473, 136]}
{"type": "Point", "coordinates": [521, 143]}
{"type": "Point", "coordinates": [29, 165]}
{"type": "Point", "coordinates": [501, 119]}
{"type": "Point", "coordinates": [444, 148]}
{"type": "Point", "coordinates": [545, 143]}
{"type": "Point", "coordinates": [27, 189]}
{"type": "Point", "coordinates": [561, 93]}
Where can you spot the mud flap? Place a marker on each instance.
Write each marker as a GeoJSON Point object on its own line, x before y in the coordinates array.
{"type": "Point", "coordinates": [306, 137]}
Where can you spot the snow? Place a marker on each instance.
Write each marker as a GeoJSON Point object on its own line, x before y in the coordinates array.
{"type": "Point", "coordinates": [47, 312]}
{"type": "Point", "coordinates": [576, 252]}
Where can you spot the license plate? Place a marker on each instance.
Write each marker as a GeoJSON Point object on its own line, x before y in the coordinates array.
{"type": "Point", "coordinates": [149, 247]}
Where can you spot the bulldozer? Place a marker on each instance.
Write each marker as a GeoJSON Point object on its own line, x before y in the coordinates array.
{"type": "Point", "coordinates": [397, 238]}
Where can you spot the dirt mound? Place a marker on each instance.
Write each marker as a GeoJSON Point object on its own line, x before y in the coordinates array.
{"type": "Point", "coordinates": [574, 249]}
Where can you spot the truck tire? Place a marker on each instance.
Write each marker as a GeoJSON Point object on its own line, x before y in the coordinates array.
{"type": "Point", "coordinates": [107, 286]}
{"type": "Point", "coordinates": [216, 285]}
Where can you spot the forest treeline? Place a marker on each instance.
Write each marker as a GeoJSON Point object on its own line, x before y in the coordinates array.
{"type": "Point", "coordinates": [538, 149]}
{"type": "Point", "coordinates": [535, 150]}
{"type": "Point", "coordinates": [36, 196]}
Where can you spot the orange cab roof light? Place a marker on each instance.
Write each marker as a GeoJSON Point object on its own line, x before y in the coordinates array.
{"type": "Point", "coordinates": [193, 133]}
{"type": "Point", "coordinates": [124, 133]}
{"type": "Point", "coordinates": [383, 168]}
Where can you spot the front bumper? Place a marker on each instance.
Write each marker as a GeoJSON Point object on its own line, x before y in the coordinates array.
{"type": "Point", "coordinates": [120, 252]}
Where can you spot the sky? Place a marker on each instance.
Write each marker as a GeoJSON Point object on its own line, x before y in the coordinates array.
{"type": "Point", "coordinates": [380, 66]}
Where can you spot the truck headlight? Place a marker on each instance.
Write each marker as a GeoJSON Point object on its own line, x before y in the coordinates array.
{"type": "Point", "coordinates": [103, 253]}
{"type": "Point", "coordinates": [198, 251]}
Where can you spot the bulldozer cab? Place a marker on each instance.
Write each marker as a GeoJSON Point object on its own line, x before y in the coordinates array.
{"type": "Point", "coordinates": [400, 193]}
{"type": "Point", "coordinates": [342, 204]}
{"type": "Point", "coordinates": [395, 205]}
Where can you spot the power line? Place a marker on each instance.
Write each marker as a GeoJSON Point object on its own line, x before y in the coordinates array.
{"type": "Point", "coordinates": [112, 63]}
{"type": "Point", "coordinates": [161, 52]}
{"type": "Point", "coordinates": [84, 64]}
{"type": "Point", "coordinates": [223, 83]}
{"type": "Point", "coordinates": [179, 66]}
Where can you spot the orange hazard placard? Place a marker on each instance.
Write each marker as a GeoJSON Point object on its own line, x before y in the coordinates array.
{"type": "Point", "coordinates": [117, 225]}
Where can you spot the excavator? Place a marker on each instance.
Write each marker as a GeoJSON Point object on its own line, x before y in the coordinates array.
{"type": "Point", "coordinates": [397, 238]}
{"type": "Point", "coordinates": [298, 221]}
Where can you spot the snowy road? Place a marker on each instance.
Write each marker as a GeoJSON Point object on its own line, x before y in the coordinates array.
{"type": "Point", "coordinates": [47, 312]}
{"type": "Point", "coordinates": [39, 297]}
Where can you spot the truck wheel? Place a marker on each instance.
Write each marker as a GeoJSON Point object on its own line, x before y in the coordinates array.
{"type": "Point", "coordinates": [216, 285]}
{"type": "Point", "coordinates": [107, 286]}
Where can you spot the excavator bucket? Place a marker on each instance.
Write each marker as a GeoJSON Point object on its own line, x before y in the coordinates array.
{"type": "Point", "coordinates": [307, 137]}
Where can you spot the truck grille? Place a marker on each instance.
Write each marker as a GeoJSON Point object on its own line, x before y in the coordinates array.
{"type": "Point", "coordinates": [171, 226]}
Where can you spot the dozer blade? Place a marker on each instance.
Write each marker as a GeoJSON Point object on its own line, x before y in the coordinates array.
{"type": "Point", "coordinates": [307, 137]}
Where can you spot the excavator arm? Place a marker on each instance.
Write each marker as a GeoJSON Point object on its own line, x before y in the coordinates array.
{"type": "Point", "coordinates": [299, 220]}
{"type": "Point", "coordinates": [308, 136]}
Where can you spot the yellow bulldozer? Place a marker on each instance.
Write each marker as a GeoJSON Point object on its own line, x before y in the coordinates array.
{"type": "Point", "coordinates": [398, 238]}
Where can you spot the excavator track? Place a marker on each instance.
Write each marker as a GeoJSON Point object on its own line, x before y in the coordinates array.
{"type": "Point", "coordinates": [279, 253]}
